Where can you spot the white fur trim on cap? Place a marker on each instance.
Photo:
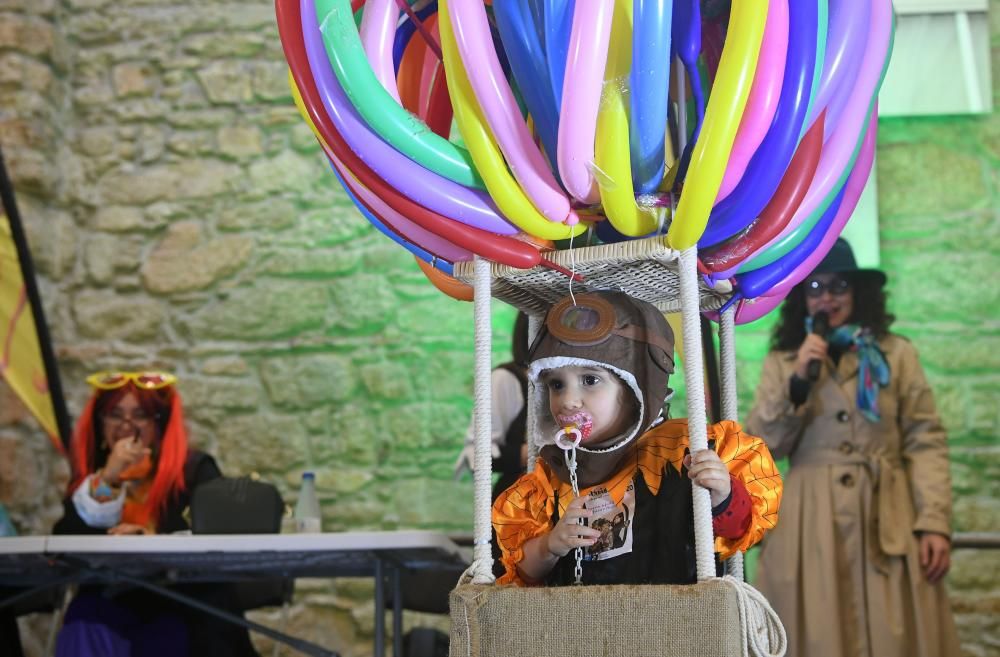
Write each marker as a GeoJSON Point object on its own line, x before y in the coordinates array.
{"type": "Point", "coordinates": [544, 429]}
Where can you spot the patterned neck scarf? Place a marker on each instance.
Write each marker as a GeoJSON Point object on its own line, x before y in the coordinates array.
{"type": "Point", "coordinates": [873, 369]}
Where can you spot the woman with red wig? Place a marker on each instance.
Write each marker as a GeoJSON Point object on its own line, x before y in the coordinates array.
{"type": "Point", "coordinates": [133, 473]}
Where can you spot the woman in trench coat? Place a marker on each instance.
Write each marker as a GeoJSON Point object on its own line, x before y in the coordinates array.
{"type": "Point", "coordinates": [855, 565]}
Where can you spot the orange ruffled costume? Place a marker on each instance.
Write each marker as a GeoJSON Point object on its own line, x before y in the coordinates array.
{"type": "Point", "coordinates": [525, 510]}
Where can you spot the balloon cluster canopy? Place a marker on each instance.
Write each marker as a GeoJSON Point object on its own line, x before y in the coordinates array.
{"type": "Point", "coordinates": [645, 269]}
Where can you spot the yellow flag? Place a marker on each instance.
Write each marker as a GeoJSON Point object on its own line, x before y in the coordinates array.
{"type": "Point", "coordinates": [26, 360]}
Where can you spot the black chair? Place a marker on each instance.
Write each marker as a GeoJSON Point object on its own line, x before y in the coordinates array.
{"type": "Point", "coordinates": [242, 505]}
{"type": "Point", "coordinates": [41, 601]}
{"type": "Point", "coordinates": [425, 591]}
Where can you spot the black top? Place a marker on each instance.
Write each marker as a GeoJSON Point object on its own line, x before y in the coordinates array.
{"type": "Point", "coordinates": [798, 389]}
{"type": "Point", "coordinates": [199, 468]}
{"type": "Point", "coordinates": [208, 636]}
{"type": "Point", "coordinates": [508, 464]}
{"type": "Point", "coordinates": [663, 526]}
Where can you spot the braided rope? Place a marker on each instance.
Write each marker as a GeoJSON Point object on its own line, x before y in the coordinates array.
{"type": "Point", "coordinates": [482, 564]}
{"type": "Point", "coordinates": [697, 425]}
{"type": "Point", "coordinates": [762, 631]}
{"type": "Point", "coordinates": [727, 364]}
{"type": "Point", "coordinates": [730, 405]}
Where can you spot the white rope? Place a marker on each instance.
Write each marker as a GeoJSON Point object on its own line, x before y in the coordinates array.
{"type": "Point", "coordinates": [704, 542]}
{"type": "Point", "coordinates": [727, 364]}
{"type": "Point", "coordinates": [534, 326]}
{"type": "Point", "coordinates": [761, 629]}
{"type": "Point", "coordinates": [730, 405]}
{"type": "Point", "coordinates": [482, 564]}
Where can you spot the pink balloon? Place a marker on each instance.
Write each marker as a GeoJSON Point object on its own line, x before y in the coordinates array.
{"type": "Point", "coordinates": [581, 97]}
{"type": "Point", "coordinates": [852, 192]}
{"type": "Point", "coordinates": [763, 99]}
{"type": "Point", "coordinates": [527, 164]}
{"type": "Point", "coordinates": [837, 151]}
{"type": "Point", "coordinates": [750, 310]}
{"type": "Point", "coordinates": [378, 29]}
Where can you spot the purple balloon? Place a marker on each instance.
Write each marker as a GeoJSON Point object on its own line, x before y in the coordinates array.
{"type": "Point", "coordinates": [853, 189]}
{"type": "Point", "coordinates": [845, 46]}
{"type": "Point", "coordinates": [755, 283]}
{"type": "Point", "coordinates": [767, 166]}
{"type": "Point", "coordinates": [435, 192]}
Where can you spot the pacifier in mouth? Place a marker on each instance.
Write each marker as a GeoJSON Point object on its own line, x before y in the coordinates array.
{"type": "Point", "coordinates": [581, 421]}
{"type": "Point", "coordinates": [568, 437]}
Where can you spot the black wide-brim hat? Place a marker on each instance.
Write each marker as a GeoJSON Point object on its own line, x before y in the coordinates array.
{"type": "Point", "coordinates": [840, 260]}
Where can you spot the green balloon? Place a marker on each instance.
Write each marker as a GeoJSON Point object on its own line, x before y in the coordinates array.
{"type": "Point", "coordinates": [398, 127]}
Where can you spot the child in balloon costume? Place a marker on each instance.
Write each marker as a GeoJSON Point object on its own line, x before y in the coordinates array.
{"type": "Point", "coordinates": [601, 365]}
{"type": "Point", "coordinates": [574, 126]}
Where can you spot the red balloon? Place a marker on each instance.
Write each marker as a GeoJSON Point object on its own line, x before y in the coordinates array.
{"type": "Point", "coordinates": [439, 111]}
{"type": "Point", "coordinates": [491, 246]}
{"type": "Point", "coordinates": [779, 210]}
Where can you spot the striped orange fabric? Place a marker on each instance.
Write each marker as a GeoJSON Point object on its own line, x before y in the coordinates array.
{"type": "Point", "coordinates": [524, 510]}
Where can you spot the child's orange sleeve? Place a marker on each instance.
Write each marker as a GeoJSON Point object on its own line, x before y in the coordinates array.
{"type": "Point", "coordinates": [521, 513]}
{"type": "Point", "coordinates": [748, 460]}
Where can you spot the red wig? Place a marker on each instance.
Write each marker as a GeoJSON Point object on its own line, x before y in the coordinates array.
{"type": "Point", "coordinates": [88, 451]}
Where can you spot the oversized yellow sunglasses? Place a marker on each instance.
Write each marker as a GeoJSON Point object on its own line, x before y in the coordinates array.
{"type": "Point", "coordinates": [144, 380]}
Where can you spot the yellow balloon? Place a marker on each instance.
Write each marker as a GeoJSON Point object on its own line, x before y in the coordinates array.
{"type": "Point", "coordinates": [505, 191]}
{"type": "Point", "coordinates": [722, 118]}
{"type": "Point", "coordinates": [676, 324]}
{"type": "Point", "coordinates": [611, 149]}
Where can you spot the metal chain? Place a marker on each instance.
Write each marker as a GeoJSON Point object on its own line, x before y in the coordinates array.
{"type": "Point", "coordinates": [570, 455]}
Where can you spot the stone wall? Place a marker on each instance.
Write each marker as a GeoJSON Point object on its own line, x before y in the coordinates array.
{"type": "Point", "coordinates": [181, 216]}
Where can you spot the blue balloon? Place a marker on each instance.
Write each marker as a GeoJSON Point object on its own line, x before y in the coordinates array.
{"type": "Point", "coordinates": [527, 63]}
{"type": "Point", "coordinates": [686, 44]}
{"type": "Point", "coordinates": [405, 32]}
{"type": "Point", "coordinates": [650, 85]}
{"type": "Point", "coordinates": [757, 282]}
{"type": "Point", "coordinates": [607, 233]}
{"type": "Point", "coordinates": [557, 24]}
{"type": "Point", "coordinates": [426, 256]}
{"type": "Point", "coordinates": [766, 168]}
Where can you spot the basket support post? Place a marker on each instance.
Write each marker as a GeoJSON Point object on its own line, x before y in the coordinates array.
{"type": "Point", "coordinates": [482, 566]}
{"type": "Point", "coordinates": [694, 382]}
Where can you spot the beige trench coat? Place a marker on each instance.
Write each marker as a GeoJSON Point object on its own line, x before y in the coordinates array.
{"type": "Point", "coordinates": [842, 565]}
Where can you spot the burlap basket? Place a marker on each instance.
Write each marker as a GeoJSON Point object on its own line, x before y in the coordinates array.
{"type": "Point", "coordinates": [695, 620]}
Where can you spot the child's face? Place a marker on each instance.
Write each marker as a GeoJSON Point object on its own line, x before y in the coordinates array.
{"type": "Point", "coordinates": [592, 399]}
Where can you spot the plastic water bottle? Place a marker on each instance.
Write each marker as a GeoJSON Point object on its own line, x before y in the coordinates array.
{"type": "Point", "coordinates": [307, 515]}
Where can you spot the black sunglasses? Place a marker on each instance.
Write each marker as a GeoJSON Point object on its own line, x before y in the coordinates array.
{"type": "Point", "coordinates": [837, 287]}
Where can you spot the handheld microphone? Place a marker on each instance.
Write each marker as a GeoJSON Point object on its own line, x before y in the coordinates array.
{"type": "Point", "coordinates": [821, 326]}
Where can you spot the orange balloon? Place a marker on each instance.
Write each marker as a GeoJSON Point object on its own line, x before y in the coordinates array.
{"type": "Point", "coordinates": [430, 64]}
{"type": "Point", "coordinates": [408, 78]}
{"type": "Point", "coordinates": [442, 281]}
{"type": "Point", "coordinates": [539, 243]}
